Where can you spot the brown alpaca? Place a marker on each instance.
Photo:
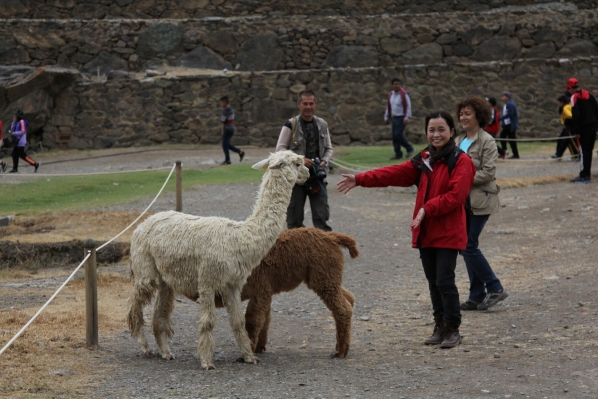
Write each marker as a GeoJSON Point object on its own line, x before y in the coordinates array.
{"type": "Point", "coordinates": [307, 255]}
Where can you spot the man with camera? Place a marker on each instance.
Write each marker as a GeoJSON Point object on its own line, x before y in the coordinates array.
{"type": "Point", "coordinates": [308, 135]}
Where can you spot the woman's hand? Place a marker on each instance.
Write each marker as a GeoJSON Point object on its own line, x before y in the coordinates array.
{"type": "Point", "coordinates": [345, 185]}
{"type": "Point", "coordinates": [418, 219]}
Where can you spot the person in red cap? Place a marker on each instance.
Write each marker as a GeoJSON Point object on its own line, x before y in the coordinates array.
{"type": "Point", "coordinates": [584, 109]}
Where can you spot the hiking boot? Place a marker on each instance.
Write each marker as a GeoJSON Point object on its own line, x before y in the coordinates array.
{"type": "Point", "coordinates": [36, 166]}
{"type": "Point", "coordinates": [469, 305]}
{"type": "Point", "coordinates": [437, 336]}
{"type": "Point", "coordinates": [409, 154]}
{"type": "Point", "coordinates": [14, 171]}
{"type": "Point", "coordinates": [3, 166]}
{"type": "Point", "coordinates": [452, 337]}
{"type": "Point", "coordinates": [514, 157]}
{"type": "Point", "coordinates": [225, 163]}
{"type": "Point", "coordinates": [492, 298]}
{"type": "Point", "coordinates": [555, 156]}
{"type": "Point", "coordinates": [580, 179]}
{"type": "Point", "coordinates": [396, 157]}
{"type": "Point", "coordinates": [241, 156]}
{"type": "Point", "coordinates": [504, 154]}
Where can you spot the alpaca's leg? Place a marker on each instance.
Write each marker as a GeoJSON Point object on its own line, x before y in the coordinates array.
{"type": "Point", "coordinates": [207, 321]}
{"type": "Point", "coordinates": [263, 337]}
{"type": "Point", "coordinates": [349, 296]}
{"type": "Point", "coordinates": [342, 311]}
{"type": "Point", "coordinates": [142, 296]}
{"type": "Point", "coordinates": [237, 323]}
{"type": "Point", "coordinates": [256, 320]}
{"type": "Point", "coordinates": [162, 319]}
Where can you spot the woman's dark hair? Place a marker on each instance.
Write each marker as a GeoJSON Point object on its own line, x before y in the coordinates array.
{"type": "Point", "coordinates": [492, 101]}
{"type": "Point", "coordinates": [482, 109]}
{"type": "Point", "coordinates": [440, 114]}
{"type": "Point", "coordinates": [563, 99]}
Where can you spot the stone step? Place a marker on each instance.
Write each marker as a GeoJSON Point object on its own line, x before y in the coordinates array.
{"type": "Point", "coordinates": [263, 43]}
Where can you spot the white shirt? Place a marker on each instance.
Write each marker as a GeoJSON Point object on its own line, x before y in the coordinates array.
{"type": "Point", "coordinates": [396, 105]}
{"type": "Point", "coordinates": [506, 121]}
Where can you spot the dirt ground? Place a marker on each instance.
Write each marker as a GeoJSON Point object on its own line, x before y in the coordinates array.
{"type": "Point", "coordinates": [542, 342]}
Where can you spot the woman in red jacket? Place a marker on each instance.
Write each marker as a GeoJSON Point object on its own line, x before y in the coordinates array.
{"type": "Point", "coordinates": [444, 175]}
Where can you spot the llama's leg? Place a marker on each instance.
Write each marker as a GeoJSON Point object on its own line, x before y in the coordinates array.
{"type": "Point", "coordinates": [342, 311]}
{"type": "Point", "coordinates": [142, 296]}
{"type": "Point", "coordinates": [237, 323]}
{"type": "Point", "coordinates": [349, 296]}
{"type": "Point", "coordinates": [207, 321]}
{"type": "Point", "coordinates": [256, 320]}
{"type": "Point", "coordinates": [263, 338]}
{"type": "Point", "coordinates": [162, 319]}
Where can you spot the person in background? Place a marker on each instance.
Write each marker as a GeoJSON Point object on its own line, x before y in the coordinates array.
{"type": "Point", "coordinates": [228, 129]}
{"type": "Point", "coordinates": [308, 135]}
{"type": "Point", "coordinates": [485, 289]}
{"type": "Point", "coordinates": [493, 127]}
{"type": "Point", "coordinates": [398, 110]}
{"type": "Point", "coordinates": [510, 123]}
{"type": "Point", "coordinates": [2, 163]}
{"type": "Point", "coordinates": [438, 227]}
{"type": "Point", "coordinates": [19, 130]}
{"type": "Point", "coordinates": [570, 142]}
{"type": "Point", "coordinates": [584, 122]}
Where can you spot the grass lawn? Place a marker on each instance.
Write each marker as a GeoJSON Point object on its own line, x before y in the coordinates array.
{"type": "Point", "coordinates": [95, 191]}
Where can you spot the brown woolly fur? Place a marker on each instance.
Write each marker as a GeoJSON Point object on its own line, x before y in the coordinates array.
{"type": "Point", "coordinates": [307, 255]}
{"type": "Point", "coordinates": [481, 107]}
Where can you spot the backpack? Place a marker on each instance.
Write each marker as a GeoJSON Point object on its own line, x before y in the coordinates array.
{"type": "Point", "coordinates": [451, 161]}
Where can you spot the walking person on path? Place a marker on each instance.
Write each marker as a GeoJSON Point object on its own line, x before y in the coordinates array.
{"type": "Point", "coordinates": [566, 120]}
{"type": "Point", "coordinates": [443, 175]}
{"type": "Point", "coordinates": [510, 123]}
{"type": "Point", "coordinates": [228, 129]}
{"type": "Point", "coordinates": [398, 110]}
{"type": "Point", "coordinates": [485, 289]}
{"type": "Point", "coordinates": [19, 130]}
{"type": "Point", "coordinates": [493, 127]}
{"type": "Point", "coordinates": [584, 110]}
{"type": "Point", "coordinates": [2, 163]}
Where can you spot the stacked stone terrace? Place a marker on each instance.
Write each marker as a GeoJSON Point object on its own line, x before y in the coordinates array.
{"type": "Point", "coordinates": [346, 51]}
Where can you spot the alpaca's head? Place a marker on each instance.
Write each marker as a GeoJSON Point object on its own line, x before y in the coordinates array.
{"type": "Point", "coordinates": [287, 162]}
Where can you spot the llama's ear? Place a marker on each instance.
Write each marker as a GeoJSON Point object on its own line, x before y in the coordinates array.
{"type": "Point", "coordinates": [261, 164]}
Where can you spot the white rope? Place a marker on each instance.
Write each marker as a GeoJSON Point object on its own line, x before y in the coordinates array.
{"type": "Point", "coordinates": [348, 168]}
{"type": "Point", "coordinates": [536, 139]}
{"type": "Point", "coordinates": [85, 174]}
{"type": "Point", "coordinates": [81, 264]}
{"type": "Point", "coordinates": [142, 213]}
{"type": "Point", "coordinates": [43, 307]}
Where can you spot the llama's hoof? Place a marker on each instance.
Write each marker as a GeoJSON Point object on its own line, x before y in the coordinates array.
{"type": "Point", "coordinates": [248, 360]}
{"type": "Point", "coordinates": [339, 355]}
{"type": "Point", "coordinates": [168, 356]}
{"type": "Point", "coordinates": [260, 349]}
{"type": "Point", "coordinates": [148, 353]}
{"type": "Point", "coordinates": [206, 366]}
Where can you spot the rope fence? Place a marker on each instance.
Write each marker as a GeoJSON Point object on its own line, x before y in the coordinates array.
{"type": "Point", "coordinates": [89, 261]}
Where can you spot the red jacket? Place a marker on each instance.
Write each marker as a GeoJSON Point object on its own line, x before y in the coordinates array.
{"type": "Point", "coordinates": [442, 197]}
{"type": "Point", "coordinates": [494, 126]}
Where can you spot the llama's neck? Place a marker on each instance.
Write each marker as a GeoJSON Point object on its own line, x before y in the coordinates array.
{"type": "Point", "coordinates": [269, 212]}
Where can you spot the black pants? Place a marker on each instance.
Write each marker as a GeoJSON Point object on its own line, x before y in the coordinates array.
{"type": "Point", "coordinates": [439, 266]}
{"type": "Point", "coordinates": [570, 143]}
{"type": "Point", "coordinates": [227, 135]}
{"type": "Point", "coordinates": [19, 152]}
{"type": "Point", "coordinates": [506, 133]}
{"type": "Point", "coordinates": [320, 212]}
{"type": "Point", "coordinates": [587, 138]}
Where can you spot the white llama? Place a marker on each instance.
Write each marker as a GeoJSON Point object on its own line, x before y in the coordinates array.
{"type": "Point", "coordinates": [200, 257]}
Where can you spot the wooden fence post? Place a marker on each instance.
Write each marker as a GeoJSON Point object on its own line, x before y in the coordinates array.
{"type": "Point", "coordinates": [179, 187]}
{"type": "Point", "coordinates": [91, 294]}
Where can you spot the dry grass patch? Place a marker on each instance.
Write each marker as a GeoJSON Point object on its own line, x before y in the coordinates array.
{"type": "Point", "coordinates": [517, 182]}
{"type": "Point", "coordinates": [51, 358]}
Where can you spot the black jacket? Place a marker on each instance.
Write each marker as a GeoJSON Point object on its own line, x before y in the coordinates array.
{"type": "Point", "coordinates": [585, 112]}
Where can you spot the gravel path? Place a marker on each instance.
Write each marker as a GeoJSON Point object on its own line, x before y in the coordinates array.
{"type": "Point", "coordinates": [540, 343]}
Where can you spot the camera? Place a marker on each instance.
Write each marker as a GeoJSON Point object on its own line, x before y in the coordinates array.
{"type": "Point", "coordinates": [319, 171]}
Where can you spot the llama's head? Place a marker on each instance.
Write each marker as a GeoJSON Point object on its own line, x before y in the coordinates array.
{"type": "Point", "coordinates": [289, 163]}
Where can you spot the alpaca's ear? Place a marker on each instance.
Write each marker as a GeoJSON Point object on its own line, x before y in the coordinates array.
{"type": "Point", "coordinates": [261, 164]}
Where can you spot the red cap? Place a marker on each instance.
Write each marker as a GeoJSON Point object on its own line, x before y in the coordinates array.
{"type": "Point", "coordinates": [572, 82]}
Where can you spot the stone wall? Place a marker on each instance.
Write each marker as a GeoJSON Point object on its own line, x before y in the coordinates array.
{"type": "Point", "coordinates": [180, 9]}
{"type": "Point", "coordinates": [130, 112]}
{"type": "Point", "coordinates": [279, 43]}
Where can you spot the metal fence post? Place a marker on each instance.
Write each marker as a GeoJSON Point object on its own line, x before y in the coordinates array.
{"type": "Point", "coordinates": [91, 294]}
{"type": "Point", "coordinates": [179, 187]}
